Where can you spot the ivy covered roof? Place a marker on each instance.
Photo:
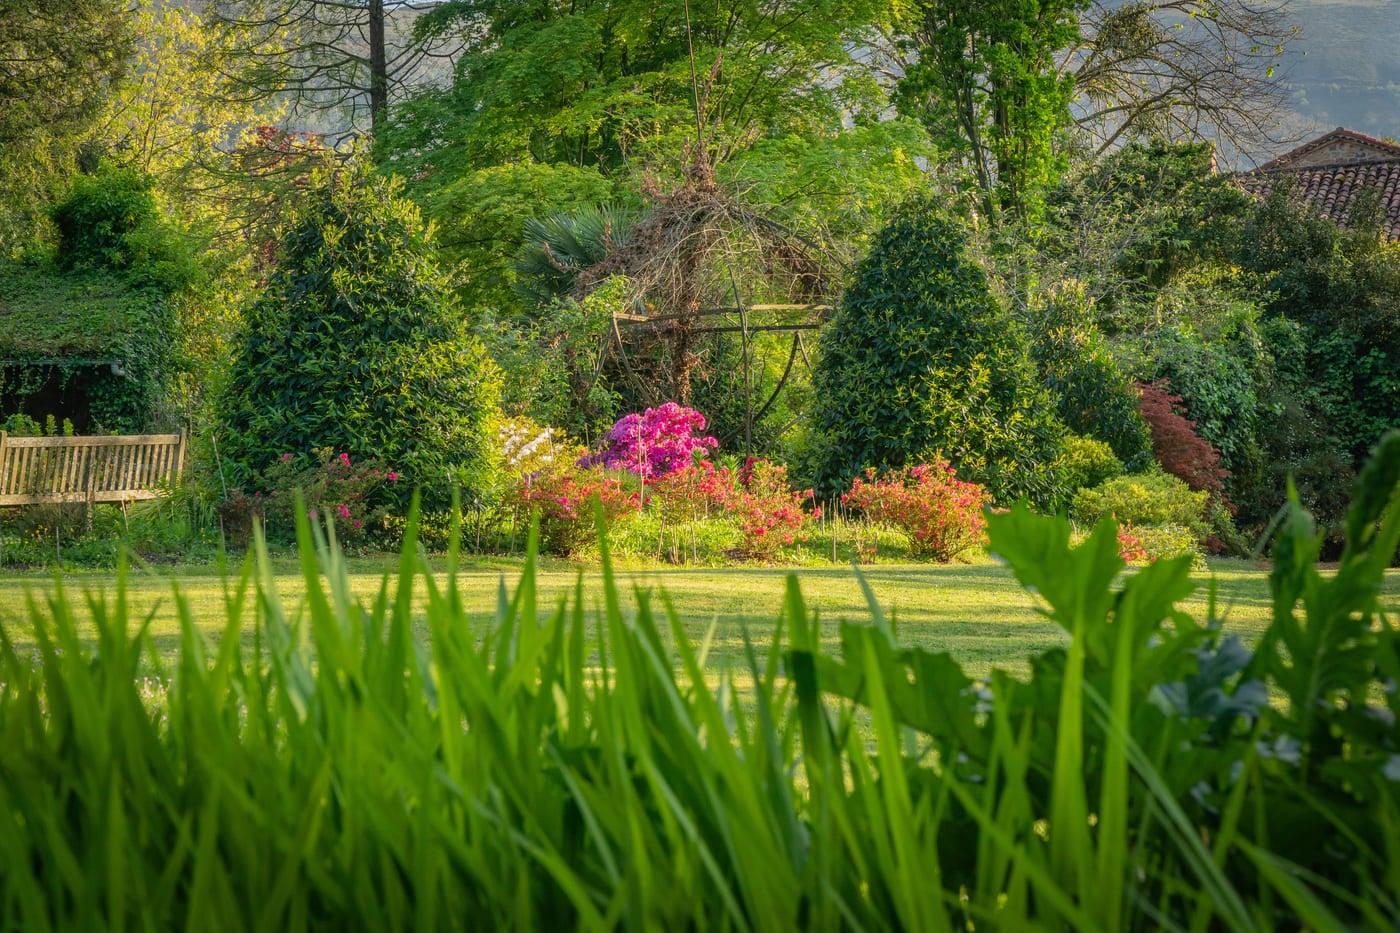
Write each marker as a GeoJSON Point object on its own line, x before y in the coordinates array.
{"type": "Point", "coordinates": [45, 314]}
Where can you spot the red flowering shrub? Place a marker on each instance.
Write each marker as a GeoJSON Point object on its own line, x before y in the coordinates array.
{"type": "Point", "coordinates": [943, 515]}
{"type": "Point", "coordinates": [1130, 546]}
{"type": "Point", "coordinates": [332, 487]}
{"type": "Point", "coordinates": [693, 492]}
{"type": "Point", "coordinates": [1178, 448]}
{"type": "Point", "coordinates": [767, 509]}
{"type": "Point", "coordinates": [564, 497]}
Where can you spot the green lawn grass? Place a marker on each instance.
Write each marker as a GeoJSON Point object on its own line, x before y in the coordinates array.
{"type": "Point", "coordinates": [976, 611]}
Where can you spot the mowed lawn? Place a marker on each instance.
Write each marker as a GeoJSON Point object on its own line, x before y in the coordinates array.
{"type": "Point", "coordinates": [978, 611]}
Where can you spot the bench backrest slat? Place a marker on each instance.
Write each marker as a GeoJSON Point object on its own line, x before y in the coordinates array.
{"type": "Point", "coordinates": [116, 468]}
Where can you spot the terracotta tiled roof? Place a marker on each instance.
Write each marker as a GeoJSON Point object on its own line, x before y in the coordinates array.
{"type": "Point", "coordinates": [1374, 149]}
{"type": "Point", "coordinates": [1371, 164]}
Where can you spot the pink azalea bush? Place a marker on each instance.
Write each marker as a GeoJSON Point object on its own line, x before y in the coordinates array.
{"type": "Point", "coordinates": [1130, 546]}
{"type": "Point", "coordinates": [758, 498]}
{"type": "Point", "coordinates": [693, 492]}
{"type": "Point", "coordinates": [943, 515]}
{"type": "Point", "coordinates": [564, 498]}
{"type": "Point", "coordinates": [768, 510]}
{"type": "Point", "coordinates": [333, 487]}
{"type": "Point", "coordinates": [655, 443]}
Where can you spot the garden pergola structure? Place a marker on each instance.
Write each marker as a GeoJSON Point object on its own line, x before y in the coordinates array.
{"type": "Point", "coordinates": [737, 319]}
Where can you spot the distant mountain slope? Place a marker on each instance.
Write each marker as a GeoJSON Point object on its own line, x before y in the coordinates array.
{"type": "Point", "coordinates": [1348, 70]}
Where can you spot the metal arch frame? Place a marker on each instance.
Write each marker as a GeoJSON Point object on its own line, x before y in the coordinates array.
{"type": "Point", "coordinates": [744, 328]}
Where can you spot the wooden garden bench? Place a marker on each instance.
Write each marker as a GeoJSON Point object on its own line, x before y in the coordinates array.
{"type": "Point", "coordinates": [116, 468]}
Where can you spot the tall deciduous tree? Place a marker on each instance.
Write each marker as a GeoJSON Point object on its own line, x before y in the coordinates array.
{"type": "Point", "coordinates": [1181, 70]}
{"type": "Point", "coordinates": [602, 82]}
{"type": "Point", "coordinates": [987, 81]}
{"type": "Point", "coordinates": [557, 106]}
{"type": "Point", "coordinates": [58, 60]}
{"type": "Point", "coordinates": [341, 62]}
{"type": "Point", "coordinates": [1002, 81]}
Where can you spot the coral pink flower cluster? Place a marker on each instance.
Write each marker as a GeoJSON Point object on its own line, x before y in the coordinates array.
{"type": "Point", "coordinates": [564, 500]}
{"type": "Point", "coordinates": [768, 511]}
{"type": "Point", "coordinates": [942, 514]}
{"type": "Point", "coordinates": [1130, 546]}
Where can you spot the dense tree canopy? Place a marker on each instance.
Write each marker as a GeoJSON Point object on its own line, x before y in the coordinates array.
{"type": "Point", "coordinates": [58, 62]}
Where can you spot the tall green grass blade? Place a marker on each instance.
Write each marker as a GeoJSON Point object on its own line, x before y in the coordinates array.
{"type": "Point", "coordinates": [1304, 902]}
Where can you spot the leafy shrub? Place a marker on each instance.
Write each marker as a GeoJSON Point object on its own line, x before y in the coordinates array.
{"type": "Point", "coordinates": [238, 514]}
{"type": "Point", "coordinates": [178, 525]}
{"type": "Point", "coordinates": [1089, 462]}
{"type": "Point", "coordinates": [920, 358]}
{"type": "Point", "coordinates": [1093, 396]}
{"type": "Point", "coordinates": [1301, 442]}
{"type": "Point", "coordinates": [564, 495]}
{"type": "Point", "coordinates": [768, 510]}
{"type": "Point", "coordinates": [21, 425]}
{"type": "Point", "coordinates": [1217, 367]}
{"type": "Point", "coordinates": [1178, 448]}
{"type": "Point", "coordinates": [942, 514]}
{"type": "Point", "coordinates": [1141, 500]}
{"type": "Point", "coordinates": [109, 221]}
{"type": "Point", "coordinates": [654, 443]}
{"type": "Point", "coordinates": [357, 345]}
{"type": "Point", "coordinates": [1158, 542]}
{"type": "Point", "coordinates": [330, 486]}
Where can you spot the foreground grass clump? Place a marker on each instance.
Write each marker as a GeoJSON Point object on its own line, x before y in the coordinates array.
{"type": "Point", "coordinates": [558, 774]}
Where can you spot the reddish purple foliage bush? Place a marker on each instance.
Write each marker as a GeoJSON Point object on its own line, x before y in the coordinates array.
{"type": "Point", "coordinates": [1178, 448]}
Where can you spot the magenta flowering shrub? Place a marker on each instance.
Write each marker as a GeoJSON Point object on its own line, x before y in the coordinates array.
{"type": "Point", "coordinates": [942, 514]}
{"type": "Point", "coordinates": [655, 443]}
{"type": "Point", "coordinates": [332, 486]}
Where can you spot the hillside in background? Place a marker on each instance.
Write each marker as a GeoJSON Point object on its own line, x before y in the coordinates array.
{"type": "Point", "coordinates": [1349, 71]}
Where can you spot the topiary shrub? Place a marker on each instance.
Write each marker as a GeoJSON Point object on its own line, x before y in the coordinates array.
{"type": "Point", "coordinates": [920, 358]}
{"type": "Point", "coordinates": [356, 345]}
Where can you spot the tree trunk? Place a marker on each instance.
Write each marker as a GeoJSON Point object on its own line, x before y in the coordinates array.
{"type": "Point", "coordinates": [378, 68]}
